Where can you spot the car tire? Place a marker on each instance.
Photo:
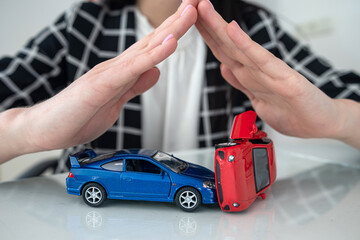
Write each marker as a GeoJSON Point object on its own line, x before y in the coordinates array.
{"type": "Point", "coordinates": [188, 199]}
{"type": "Point", "coordinates": [94, 194]}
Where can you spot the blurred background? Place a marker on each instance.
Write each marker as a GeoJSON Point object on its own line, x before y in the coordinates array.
{"type": "Point", "coordinates": [328, 26]}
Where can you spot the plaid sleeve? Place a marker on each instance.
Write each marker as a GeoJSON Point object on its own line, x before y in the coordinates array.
{"type": "Point", "coordinates": [38, 71]}
{"type": "Point", "coordinates": [262, 27]}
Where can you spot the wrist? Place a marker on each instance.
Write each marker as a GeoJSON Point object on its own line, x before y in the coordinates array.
{"type": "Point", "coordinates": [14, 140]}
{"type": "Point", "coordinates": [348, 122]}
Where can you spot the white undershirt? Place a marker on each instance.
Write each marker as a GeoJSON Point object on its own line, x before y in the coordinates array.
{"type": "Point", "coordinates": [170, 115]}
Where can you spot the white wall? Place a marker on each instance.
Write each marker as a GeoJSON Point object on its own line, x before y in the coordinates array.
{"type": "Point", "coordinates": [331, 28]}
{"type": "Point", "coordinates": [22, 19]}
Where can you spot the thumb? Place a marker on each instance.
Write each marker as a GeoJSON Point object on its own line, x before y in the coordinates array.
{"type": "Point", "coordinates": [146, 80]}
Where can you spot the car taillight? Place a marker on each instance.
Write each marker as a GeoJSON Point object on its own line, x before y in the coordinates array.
{"type": "Point", "coordinates": [71, 175]}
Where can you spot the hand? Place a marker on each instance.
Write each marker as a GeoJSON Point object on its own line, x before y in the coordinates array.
{"type": "Point", "coordinates": [91, 104]}
{"type": "Point", "coordinates": [283, 98]}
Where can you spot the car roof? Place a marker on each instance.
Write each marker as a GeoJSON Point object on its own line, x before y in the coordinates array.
{"type": "Point", "coordinates": [101, 158]}
{"type": "Point", "coordinates": [145, 152]}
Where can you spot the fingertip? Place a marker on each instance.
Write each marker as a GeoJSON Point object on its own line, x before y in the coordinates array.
{"type": "Point", "coordinates": [170, 42]}
{"type": "Point", "coordinates": [156, 70]}
{"type": "Point", "coordinates": [156, 74]}
{"type": "Point", "coordinates": [237, 35]}
{"type": "Point", "coordinates": [146, 81]}
{"type": "Point", "coordinates": [191, 2]}
{"type": "Point", "coordinates": [187, 6]}
{"type": "Point", "coordinates": [233, 27]}
{"type": "Point", "coordinates": [168, 37]}
{"type": "Point", "coordinates": [164, 50]}
{"type": "Point", "coordinates": [235, 24]}
{"type": "Point", "coordinates": [210, 3]}
{"type": "Point", "coordinates": [185, 10]}
{"type": "Point", "coordinates": [225, 71]}
{"type": "Point", "coordinates": [190, 12]}
{"type": "Point", "coordinates": [222, 67]}
{"type": "Point", "coordinates": [206, 3]}
{"type": "Point", "coordinates": [203, 6]}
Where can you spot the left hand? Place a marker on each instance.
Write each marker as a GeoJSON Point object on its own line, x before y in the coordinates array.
{"type": "Point", "coordinates": [283, 98]}
{"type": "Point", "coordinates": [92, 103]}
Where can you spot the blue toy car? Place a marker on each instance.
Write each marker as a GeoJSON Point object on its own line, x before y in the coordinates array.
{"type": "Point", "coordinates": [139, 174]}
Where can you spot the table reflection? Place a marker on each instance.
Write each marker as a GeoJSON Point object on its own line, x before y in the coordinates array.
{"type": "Point", "coordinates": [294, 201]}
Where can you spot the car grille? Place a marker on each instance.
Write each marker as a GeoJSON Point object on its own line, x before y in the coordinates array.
{"type": "Point", "coordinates": [219, 188]}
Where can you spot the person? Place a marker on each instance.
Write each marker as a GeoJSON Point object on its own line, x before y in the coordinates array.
{"type": "Point", "coordinates": [90, 71]}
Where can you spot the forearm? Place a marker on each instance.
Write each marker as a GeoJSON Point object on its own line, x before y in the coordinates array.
{"type": "Point", "coordinates": [13, 138]}
{"type": "Point", "coordinates": [349, 118]}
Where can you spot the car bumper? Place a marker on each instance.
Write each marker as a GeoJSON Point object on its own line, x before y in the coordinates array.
{"type": "Point", "coordinates": [209, 196]}
{"type": "Point", "coordinates": [73, 186]}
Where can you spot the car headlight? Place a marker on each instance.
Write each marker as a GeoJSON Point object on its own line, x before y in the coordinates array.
{"type": "Point", "coordinates": [209, 184]}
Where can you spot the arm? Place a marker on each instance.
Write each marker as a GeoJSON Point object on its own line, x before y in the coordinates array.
{"type": "Point", "coordinates": [283, 98]}
{"type": "Point", "coordinates": [12, 141]}
{"type": "Point", "coordinates": [91, 104]}
{"type": "Point", "coordinates": [33, 75]}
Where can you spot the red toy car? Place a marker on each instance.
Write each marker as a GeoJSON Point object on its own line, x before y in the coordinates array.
{"type": "Point", "coordinates": [244, 167]}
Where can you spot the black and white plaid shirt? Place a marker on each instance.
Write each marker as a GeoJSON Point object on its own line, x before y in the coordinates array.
{"type": "Point", "coordinates": [90, 33]}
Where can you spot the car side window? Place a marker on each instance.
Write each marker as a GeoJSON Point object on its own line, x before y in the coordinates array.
{"type": "Point", "coordinates": [114, 166]}
{"type": "Point", "coordinates": [261, 168]}
{"type": "Point", "coordinates": [137, 165]}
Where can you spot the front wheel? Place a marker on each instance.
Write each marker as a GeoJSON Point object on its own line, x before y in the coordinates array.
{"type": "Point", "coordinates": [188, 199]}
{"type": "Point", "coordinates": [93, 194]}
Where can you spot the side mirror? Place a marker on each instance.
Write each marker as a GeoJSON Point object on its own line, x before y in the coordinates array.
{"type": "Point", "coordinates": [163, 173]}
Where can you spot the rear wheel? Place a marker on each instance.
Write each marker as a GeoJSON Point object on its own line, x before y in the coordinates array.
{"type": "Point", "coordinates": [188, 199]}
{"type": "Point", "coordinates": [93, 194]}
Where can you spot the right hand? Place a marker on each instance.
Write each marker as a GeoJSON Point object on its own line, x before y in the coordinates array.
{"type": "Point", "coordinates": [281, 97]}
{"type": "Point", "coordinates": [91, 104]}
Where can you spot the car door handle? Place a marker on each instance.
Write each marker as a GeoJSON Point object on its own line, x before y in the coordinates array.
{"type": "Point", "coordinates": [128, 179]}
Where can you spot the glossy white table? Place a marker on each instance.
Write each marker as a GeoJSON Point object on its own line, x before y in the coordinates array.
{"type": "Point", "coordinates": [313, 198]}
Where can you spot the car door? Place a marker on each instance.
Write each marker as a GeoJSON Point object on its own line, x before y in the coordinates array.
{"type": "Point", "coordinates": [143, 179]}
{"type": "Point", "coordinates": [111, 177]}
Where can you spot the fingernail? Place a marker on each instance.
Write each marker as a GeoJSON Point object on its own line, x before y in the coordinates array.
{"type": "Point", "coordinates": [187, 7]}
{"type": "Point", "coordinates": [167, 38]}
{"type": "Point", "coordinates": [210, 3]}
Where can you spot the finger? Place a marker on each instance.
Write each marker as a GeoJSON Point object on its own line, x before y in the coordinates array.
{"type": "Point", "coordinates": [263, 59]}
{"type": "Point", "coordinates": [180, 11]}
{"type": "Point", "coordinates": [116, 76]}
{"type": "Point", "coordinates": [213, 45]}
{"type": "Point", "coordinates": [119, 74]}
{"type": "Point", "coordinates": [177, 24]}
{"type": "Point", "coordinates": [152, 50]}
{"type": "Point", "coordinates": [254, 81]}
{"type": "Point", "coordinates": [232, 80]}
{"type": "Point", "coordinates": [135, 66]}
{"type": "Point", "coordinates": [216, 27]}
{"type": "Point", "coordinates": [180, 26]}
{"type": "Point", "coordinates": [115, 73]}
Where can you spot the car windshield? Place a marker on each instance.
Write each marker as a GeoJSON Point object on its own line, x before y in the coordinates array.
{"type": "Point", "coordinates": [171, 162]}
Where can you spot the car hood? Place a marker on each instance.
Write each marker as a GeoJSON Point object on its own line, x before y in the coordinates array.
{"type": "Point", "coordinates": [197, 171]}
